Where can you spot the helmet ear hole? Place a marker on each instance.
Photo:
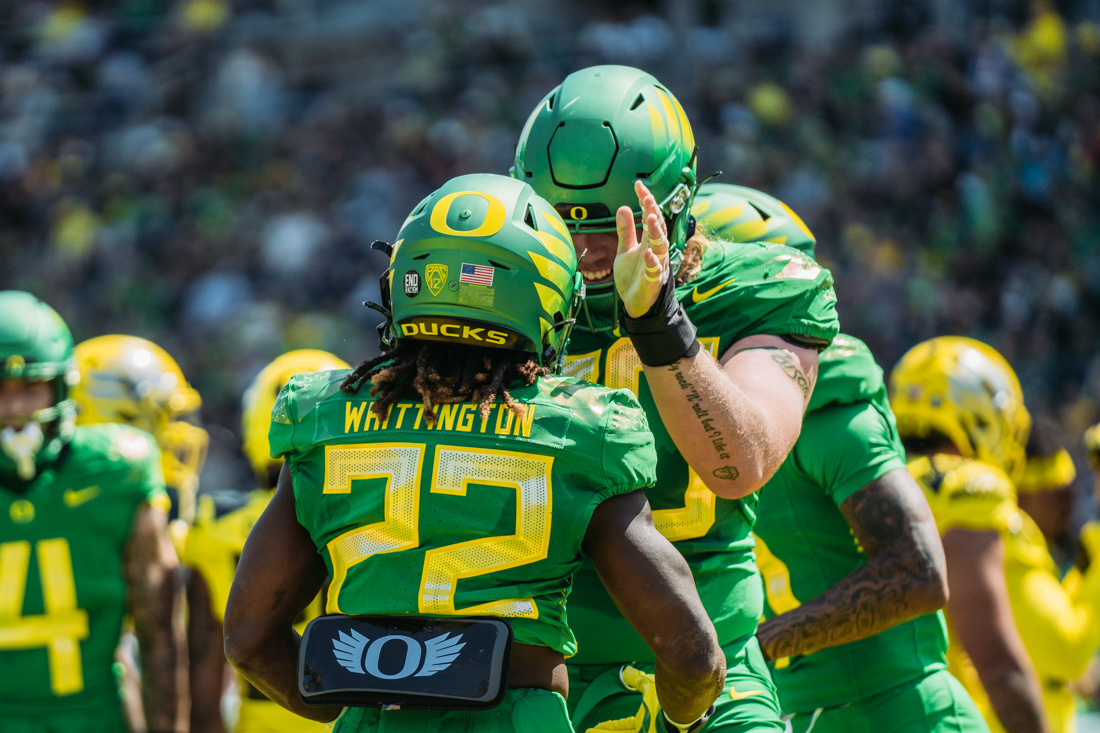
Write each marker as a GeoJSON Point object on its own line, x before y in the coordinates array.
{"type": "Point", "coordinates": [529, 218]}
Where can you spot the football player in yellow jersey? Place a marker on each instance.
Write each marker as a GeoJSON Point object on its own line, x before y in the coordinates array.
{"type": "Point", "coordinates": [131, 380]}
{"type": "Point", "coordinates": [1018, 636]}
{"type": "Point", "coordinates": [1045, 489]}
{"type": "Point", "coordinates": [213, 548]}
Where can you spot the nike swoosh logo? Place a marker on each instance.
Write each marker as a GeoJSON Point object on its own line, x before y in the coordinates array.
{"type": "Point", "coordinates": [699, 297]}
{"type": "Point", "coordinates": [76, 497]}
{"type": "Point", "coordinates": [734, 694]}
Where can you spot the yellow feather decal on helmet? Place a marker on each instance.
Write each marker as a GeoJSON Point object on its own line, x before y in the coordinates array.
{"type": "Point", "coordinates": [551, 299]}
{"type": "Point", "coordinates": [798, 221]}
{"type": "Point", "coordinates": [675, 111]}
{"type": "Point", "coordinates": [556, 224]}
{"type": "Point", "coordinates": [551, 270]}
{"type": "Point", "coordinates": [563, 250]}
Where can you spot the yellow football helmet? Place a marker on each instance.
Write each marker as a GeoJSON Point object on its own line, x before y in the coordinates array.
{"type": "Point", "coordinates": [259, 399]}
{"type": "Point", "coordinates": [964, 390]}
{"type": "Point", "coordinates": [1092, 446]}
{"type": "Point", "coordinates": [126, 379]}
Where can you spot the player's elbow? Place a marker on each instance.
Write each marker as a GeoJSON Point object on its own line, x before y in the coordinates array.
{"type": "Point", "coordinates": [736, 482]}
{"type": "Point", "coordinates": [929, 578]}
{"type": "Point", "coordinates": [243, 639]}
{"type": "Point", "coordinates": [694, 660]}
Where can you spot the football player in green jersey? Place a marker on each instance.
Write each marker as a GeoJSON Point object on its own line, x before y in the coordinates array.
{"type": "Point", "coordinates": [213, 546]}
{"type": "Point", "coordinates": [719, 342]}
{"type": "Point", "coordinates": [83, 541]}
{"type": "Point", "coordinates": [850, 556]}
{"type": "Point", "coordinates": [456, 475]}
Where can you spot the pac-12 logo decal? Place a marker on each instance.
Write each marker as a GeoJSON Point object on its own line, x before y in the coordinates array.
{"type": "Point", "coordinates": [412, 283]}
{"type": "Point", "coordinates": [436, 277]}
{"type": "Point", "coordinates": [356, 653]}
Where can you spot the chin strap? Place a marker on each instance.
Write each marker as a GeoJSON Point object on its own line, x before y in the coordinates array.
{"type": "Point", "coordinates": [22, 447]}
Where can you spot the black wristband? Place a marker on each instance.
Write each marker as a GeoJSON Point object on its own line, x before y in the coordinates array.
{"type": "Point", "coordinates": [664, 335]}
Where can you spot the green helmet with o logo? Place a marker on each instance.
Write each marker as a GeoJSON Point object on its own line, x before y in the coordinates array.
{"type": "Point", "coordinates": [598, 132]}
{"type": "Point", "coordinates": [36, 346]}
{"type": "Point", "coordinates": [485, 261]}
{"type": "Point", "coordinates": [742, 214]}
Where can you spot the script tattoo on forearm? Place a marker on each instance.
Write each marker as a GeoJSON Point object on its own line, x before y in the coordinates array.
{"type": "Point", "coordinates": [714, 435]}
{"type": "Point", "coordinates": [891, 587]}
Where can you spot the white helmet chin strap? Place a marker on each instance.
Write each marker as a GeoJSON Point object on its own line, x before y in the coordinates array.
{"type": "Point", "coordinates": [22, 447]}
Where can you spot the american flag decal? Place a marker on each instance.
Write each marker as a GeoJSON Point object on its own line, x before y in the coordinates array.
{"type": "Point", "coordinates": [476, 274]}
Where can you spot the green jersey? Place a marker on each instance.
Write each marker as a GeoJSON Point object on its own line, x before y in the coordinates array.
{"type": "Point", "coordinates": [470, 517]}
{"type": "Point", "coordinates": [849, 439]}
{"type": "Point", "coordinates": [742, 290]}
{"type": "Point", "coordinates": [62, 585]}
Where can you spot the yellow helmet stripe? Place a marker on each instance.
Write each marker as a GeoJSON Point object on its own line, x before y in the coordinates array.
{"type": "Point", "coordinates": [552, 301]}
{"type": "Point", "coordinates": [551, 270]}
{"type": "Point", "coordinates": [563, 250]}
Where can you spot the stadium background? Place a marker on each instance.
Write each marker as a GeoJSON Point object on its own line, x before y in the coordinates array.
{"type": "Point", "coordinates": [210, 174]}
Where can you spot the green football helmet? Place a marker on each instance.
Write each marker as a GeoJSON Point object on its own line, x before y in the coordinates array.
{"type": "Point", "coordinates": [590, 139]}
{"type": "Point", "coordinates": [742, 214]}
{"type": "Point", "coordinates": [484, 261]}
{"type": "Point", "coordinates": [36, 346]}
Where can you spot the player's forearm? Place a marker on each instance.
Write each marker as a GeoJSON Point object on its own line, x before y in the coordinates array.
{"type": "Point", "coordinates": [159, 626]}
{"type": "Point", "coordinates": [882, 593]}
{"type": "Point", "coordinates": [1016, 700]}
{"type": "Point", "coordinates": [270, 662]}
{"type": "Point", "coordinates": [729, 439]}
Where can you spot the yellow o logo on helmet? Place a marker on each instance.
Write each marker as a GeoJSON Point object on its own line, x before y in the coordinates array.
{"type": "Point", "coordinates": [578, 213]}
{"type": "Point", "coordinates": [494, 217]}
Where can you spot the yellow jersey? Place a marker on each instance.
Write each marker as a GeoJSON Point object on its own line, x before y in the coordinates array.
{"type": "Point", "coordinates": [212, 548]}
{"type": "Point", "coordinates": [1059, 624]}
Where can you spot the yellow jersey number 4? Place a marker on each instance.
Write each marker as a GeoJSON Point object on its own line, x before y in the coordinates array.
{"type": "Point", "coordinates": [62, 627]}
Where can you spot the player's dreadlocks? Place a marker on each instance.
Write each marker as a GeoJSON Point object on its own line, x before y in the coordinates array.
{"type": "Point", "coordinates": [442, 372]}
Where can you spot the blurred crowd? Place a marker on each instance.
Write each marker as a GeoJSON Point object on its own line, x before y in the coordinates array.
{"type": "Point", "coordinates": [210, 174]}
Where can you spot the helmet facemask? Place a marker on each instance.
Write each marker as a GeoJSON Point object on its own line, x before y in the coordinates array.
{"type": "Point", "coordinates": [35, 346]}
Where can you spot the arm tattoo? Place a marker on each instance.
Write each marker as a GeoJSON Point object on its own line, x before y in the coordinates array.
{"type": "Point", "coordinates": [785, 359]}
{"type": "Point", "coordinates": [899, 581]}
{"type": "Point", "coordinates": [714, 435]}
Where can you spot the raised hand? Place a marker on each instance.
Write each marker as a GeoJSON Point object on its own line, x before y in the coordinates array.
{"type": "Point", "coordinates": [641, 268]}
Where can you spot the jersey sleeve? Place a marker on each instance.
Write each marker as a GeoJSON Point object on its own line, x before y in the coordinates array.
{"type": "Point", "coordinates": [753, 289]}
{"type": "Point", "coordinates": [139, 452]}
{"type": "Point", "coordinates": [294, 416]}
{"type": "Point", "coordinates": [280, 436]}
{"type": "Point", "coordinates": [628, 456]}
{"type": "Point", "coordinates": [845, 447]}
